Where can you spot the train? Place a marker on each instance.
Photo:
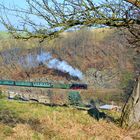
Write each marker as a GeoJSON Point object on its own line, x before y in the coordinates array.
{"type": "Point", "coordinates": [74, 86]}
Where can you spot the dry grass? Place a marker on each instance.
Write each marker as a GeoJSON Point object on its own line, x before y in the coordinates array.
{"type": "Point", "coordinates": [103, 94]}
{"type": "Point", "coordinates": [39, 122]}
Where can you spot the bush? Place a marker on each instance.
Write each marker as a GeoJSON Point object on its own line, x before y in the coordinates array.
{"type": "Point", "coordinates": [17, 97]}
{"type": "Point", "coordinates": [126, 78]}
{"type": "Point", "coordinates": [75, 98]}
{"type": "Point", "coordinates": [8, 131]}
{"type": "Point", "coordinates": [1, 95]}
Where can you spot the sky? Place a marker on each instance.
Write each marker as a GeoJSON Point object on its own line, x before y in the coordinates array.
{"type": "Point", "coordinates": [9, 3]}
{"type": "Point", "coordinates": [19, 3]}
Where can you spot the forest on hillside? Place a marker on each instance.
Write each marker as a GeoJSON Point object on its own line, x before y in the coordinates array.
{"type": "Point", "coordinates": [93, 52]}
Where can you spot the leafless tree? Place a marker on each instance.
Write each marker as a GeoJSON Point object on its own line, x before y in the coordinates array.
{"type": "Point", "coordinates": [54, 17]}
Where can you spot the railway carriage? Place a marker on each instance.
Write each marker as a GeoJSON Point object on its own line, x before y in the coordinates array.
{"type": "Point", "coordinates": [6, 82]}
{"type": "Point", "coordinates": [42, 84]}
{"type": "Point", "coordinates": [62, 86]}
{"type": "Point", "coordinates": [23, 83]}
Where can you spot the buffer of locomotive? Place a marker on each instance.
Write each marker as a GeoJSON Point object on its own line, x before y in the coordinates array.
{"type": "Point", "coordinates": [43, 84]}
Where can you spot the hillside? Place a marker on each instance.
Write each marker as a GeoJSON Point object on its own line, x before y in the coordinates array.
{"type": "Point", "coordinates": [19, 120]}
{"type": "Point", "coordinates": [90, 52]}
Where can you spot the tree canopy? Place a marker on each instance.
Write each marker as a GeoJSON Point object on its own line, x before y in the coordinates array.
{"type": "Point", "coordinates": [47, 19]}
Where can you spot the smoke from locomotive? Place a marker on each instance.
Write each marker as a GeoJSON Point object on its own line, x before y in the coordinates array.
{"type": "Point", "coordinates": [46, 59]}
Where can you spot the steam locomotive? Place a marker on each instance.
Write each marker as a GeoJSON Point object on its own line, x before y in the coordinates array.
{"type": "Point", "coordinates": [74, 86]}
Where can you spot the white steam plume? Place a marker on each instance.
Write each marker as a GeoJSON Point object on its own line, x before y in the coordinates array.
{"type": "Point", "coordinates": [52, 63]}
{"type": "Point", "coordinates": [64, 67]}
{"type": "Point", "coordinates": [43, 57]}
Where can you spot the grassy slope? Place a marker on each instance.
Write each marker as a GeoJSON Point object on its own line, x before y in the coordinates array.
{"type": "Point", "coordinates": [31, 121]}
{"type": "Point", "coordinates": [4, 34]}
{"type": "Point", "coordinates": [38, 122]}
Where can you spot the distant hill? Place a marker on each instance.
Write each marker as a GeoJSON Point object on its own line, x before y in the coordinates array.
{"type": "Point", "coordinates": [100, 54]}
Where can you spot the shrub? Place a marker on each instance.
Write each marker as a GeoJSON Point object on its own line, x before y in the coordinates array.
{"type": "Point", "coordinates": [126, 78]}
{"type": "Point", "coordinates": [74, 98]}
{"type": "Point", "coordinates": [1, 95]}
{"type": "Point", "coordinates": [8, 131]}
{"type": "Point", "coordinates": [17, 97]}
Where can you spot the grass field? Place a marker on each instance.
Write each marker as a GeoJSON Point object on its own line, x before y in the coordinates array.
{"type": "Point", "coordinates": [31, 121]}
{"type": "Point", "coordinates": [4, 34]}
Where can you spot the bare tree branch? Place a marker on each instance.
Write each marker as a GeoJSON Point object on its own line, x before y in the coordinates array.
{"type": "Point", "coordinates": [134, 2]}
{"type": "Point", "coordinates": [55, 17]}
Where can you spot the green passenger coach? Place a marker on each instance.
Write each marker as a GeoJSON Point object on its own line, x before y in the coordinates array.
{"type": "Point", "coordinates": [62, 86]}
{"type": "Point", "coordinates": [23, 83]}
{"type": "Point", "coordinates": [42, 84]}
{"type": "Point", "coordinates": [6, 82]}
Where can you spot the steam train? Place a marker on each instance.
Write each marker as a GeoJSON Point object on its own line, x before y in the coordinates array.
{"type": "Point", "coordinates": [74, 86]}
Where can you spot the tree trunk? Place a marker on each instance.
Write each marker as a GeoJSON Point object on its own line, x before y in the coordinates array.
{"type": "Point", "coordinates": [131, 111]}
